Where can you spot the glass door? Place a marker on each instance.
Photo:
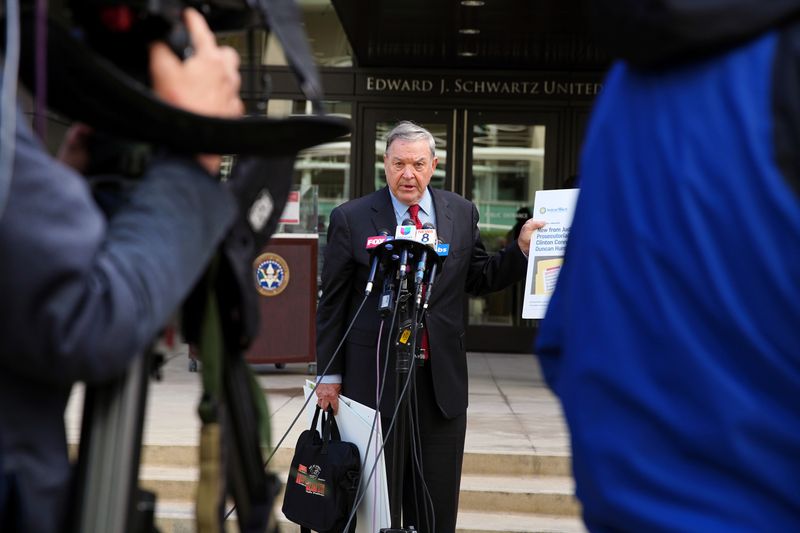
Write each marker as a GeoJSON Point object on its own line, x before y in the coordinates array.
{"type": "Point", "coordinates": [508, 157]}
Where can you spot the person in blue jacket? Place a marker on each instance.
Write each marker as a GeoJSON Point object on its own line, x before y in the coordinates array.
{"type": "Point", "coordinates": [81, 296]}
{"type": "Point", "coordinates": [672, 336]}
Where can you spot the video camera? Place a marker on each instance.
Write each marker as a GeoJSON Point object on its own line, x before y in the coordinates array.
{"type": "Point", "coordinates": [96, 72]}
{"type": "Point", "coordinates": [122, 30]}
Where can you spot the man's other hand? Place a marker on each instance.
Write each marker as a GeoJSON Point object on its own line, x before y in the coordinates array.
{"type": "Point", "coordinates": [206, 83]}
{"type": "Point", "coordinates": [328, 394]}
{"type": "Point", "coordinates": [525, 234]}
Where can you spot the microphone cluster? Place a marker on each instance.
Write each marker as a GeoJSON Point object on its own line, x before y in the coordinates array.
{"type": "Point", "coordinates": [410, 247]}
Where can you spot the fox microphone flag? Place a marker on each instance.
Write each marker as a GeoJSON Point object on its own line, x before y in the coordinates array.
{"type": "Point", "coordinates": [372, 243]}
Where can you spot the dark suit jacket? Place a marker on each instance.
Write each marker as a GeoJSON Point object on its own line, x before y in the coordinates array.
{"type": "Point", "coordinates": [467, 269]}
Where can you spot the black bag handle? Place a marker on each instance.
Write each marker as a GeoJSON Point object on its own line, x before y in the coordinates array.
{"type": "Point", "coordinates": [329, 428]}
{"type": "Point", "coordinates": [335, 435]}
{"type": "Point", "coordinates": [316, 418]}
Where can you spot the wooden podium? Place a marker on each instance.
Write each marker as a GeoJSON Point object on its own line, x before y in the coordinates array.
{"type": "Point", "coordinates": [285, 276]}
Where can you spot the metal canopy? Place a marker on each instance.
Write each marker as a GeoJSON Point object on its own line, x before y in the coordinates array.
{"type": "Point", "coordinates": [491, 34]}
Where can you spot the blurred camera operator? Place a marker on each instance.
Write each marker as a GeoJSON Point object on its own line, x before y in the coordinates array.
{"type": "Point", "coordinates": [82, 295]}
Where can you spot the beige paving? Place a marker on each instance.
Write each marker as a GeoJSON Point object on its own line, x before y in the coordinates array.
{"type": "Point", "coordinates": [511, 410]}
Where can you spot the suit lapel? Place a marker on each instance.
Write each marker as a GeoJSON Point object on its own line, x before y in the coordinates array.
{"type": "Point", "coordinates": [444, 217]}
{"type": "Point", "coordinates": [383, 212]}
{"type": "Point", "coordinates": [445, 226]}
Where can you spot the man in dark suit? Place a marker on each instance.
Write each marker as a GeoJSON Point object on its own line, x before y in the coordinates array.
{"type": "Point", "coordinates": [441, 383]}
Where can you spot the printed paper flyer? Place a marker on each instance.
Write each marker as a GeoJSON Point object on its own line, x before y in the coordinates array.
{"type": "Point", "coordinates": [546, 255]}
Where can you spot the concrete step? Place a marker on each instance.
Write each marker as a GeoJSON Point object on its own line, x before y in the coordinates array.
{"type": "Point", "coordinates": [473, 522]}
{"type": "Point", "coordinates": [515, 463]}
{"type": "Point", "coordinates": [550, 495]}
{"type": "Point", "coordinates": [505, 463]}
{"type": "Point", "coordinates": [170, 482]}
{"type": "Point", "coordinates": [180, 455]}
{"type": "Point", "coordinates": [178, 517]}
{"type": "Point", "coordinates": [500, 492]}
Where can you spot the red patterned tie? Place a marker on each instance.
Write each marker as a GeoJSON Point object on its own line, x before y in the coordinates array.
{"type": "Point", "coordinates": [413, 212]}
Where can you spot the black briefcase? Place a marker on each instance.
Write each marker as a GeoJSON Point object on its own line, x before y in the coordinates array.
{"type": "Point", "coordinates": [323, 480]}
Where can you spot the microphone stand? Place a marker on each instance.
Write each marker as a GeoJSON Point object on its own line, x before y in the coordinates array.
{"type": "Point", "coordinates": [406, 343]}
{"type": "Point", "coordinates": [405, 340]}
{"type": "Point", "coordinates": [409, 313]}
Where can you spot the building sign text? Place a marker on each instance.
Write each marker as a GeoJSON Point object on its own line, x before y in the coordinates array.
{"type": "Point", "coordinates": [459, 86]}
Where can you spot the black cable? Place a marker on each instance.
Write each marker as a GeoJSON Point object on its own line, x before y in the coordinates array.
{"type": "Point", "coordinates": [415, 440]}
{"type": "Point", "coordinates": [380, 452]}
{"type": "Point", "coordinates": [415, 435]}
{"type": "Point", "coordinates": [171, 357]}
{"type": "Point", "coordinates": [359, 494]}
{"type": "Point", "coordinates": [426, 492]}
{"type": "Point", "coordinates": [319, 378]}
{"type": "Point", "coordinates": [405, 391]}
{"type": "Point", "coordinates": [389, 339]}
{"type": "Point", "coordinates": [40, 66]}
{"type": "Point", "coordinates": [8, 99]}
{"type": "Point", "coordinates": [412, 438]}
{"type": "Point", "coordinates": [415, 451]}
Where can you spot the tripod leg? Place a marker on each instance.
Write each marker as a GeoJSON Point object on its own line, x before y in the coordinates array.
{"type": "Point", "coordinates": [110, 451]}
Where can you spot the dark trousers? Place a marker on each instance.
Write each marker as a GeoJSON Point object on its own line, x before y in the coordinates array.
{"type": "Point", "coordinates": [441, 456]}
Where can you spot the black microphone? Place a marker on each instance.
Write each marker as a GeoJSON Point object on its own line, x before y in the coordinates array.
{"type": "Point", "coordinates": [420, 274]}
{"type": "Point", "coordinates": [431, 279]}
{"type": "Point", "coordinates": [376, 257]}
{"type": "Point", "coordinates": [403, 267]}
{"type": "Point", "coordinates": [386, 299]}
{"type": "Point", "coordinates": [442, 250]}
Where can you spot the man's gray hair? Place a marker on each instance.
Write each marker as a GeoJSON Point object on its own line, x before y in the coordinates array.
{"type": "Point", "coordinates": [408, 131]}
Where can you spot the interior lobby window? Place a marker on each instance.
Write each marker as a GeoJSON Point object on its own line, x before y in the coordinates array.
{"type": "Point", "coordinates": [328, 41]}
{"type": "Point", "coordinates": [326, 167]}
{"type": "Point", "coordinates": [507, 169]}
